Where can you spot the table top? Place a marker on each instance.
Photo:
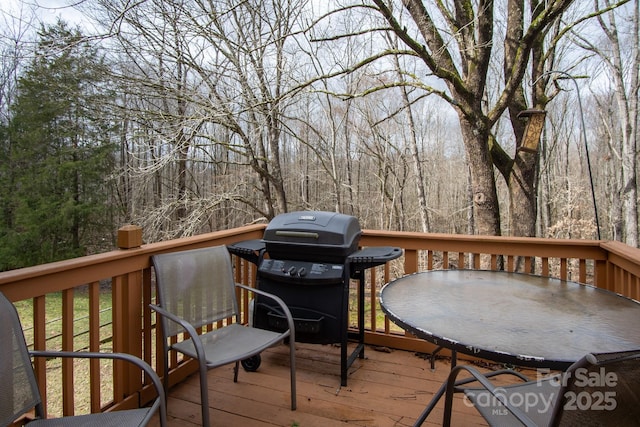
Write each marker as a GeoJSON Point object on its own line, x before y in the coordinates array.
{"type": "Point", "coordinates": [512, 318]}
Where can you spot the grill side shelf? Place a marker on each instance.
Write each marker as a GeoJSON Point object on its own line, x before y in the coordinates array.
{"type": "Point", "coordinates": [250, 250]}
{"type": "Point", "coordinates": [371, 257]}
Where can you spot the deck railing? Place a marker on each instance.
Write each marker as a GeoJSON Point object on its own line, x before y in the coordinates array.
{"type": "Point", "coordinates": [126, 277]}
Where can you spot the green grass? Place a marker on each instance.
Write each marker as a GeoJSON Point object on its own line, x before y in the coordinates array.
{"type": "Point", "coordinates": [53, 319]}
{"type": "Point", "coordinates": [53, 332]}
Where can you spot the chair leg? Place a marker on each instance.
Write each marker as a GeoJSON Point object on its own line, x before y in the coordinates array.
{"type": "Point", "coordinates": [165, 378]}
{"type": "Point", "coordinates": [204, 395]}
{"type": "Point", "coordinates": [432, 404]}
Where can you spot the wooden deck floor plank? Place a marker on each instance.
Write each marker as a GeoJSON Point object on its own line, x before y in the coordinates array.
{"type": "Point", "coordinates": [338, 404]}
{"type": "Point", "coordinates": [385, 389]}
{"type": "Point", "coordinates": [402, 364]}
{"type": "Point", "coordinates": [392, 393]}
{"type": "Point", "coordinates": [397, 375]}
{"type": "Point", "coordinates": [252, 400]}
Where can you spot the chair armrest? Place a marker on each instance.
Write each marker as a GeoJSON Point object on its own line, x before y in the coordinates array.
{"type": "Point", "coordinates": [491, 374]}
{"type": "Point", "coordinates": [153, 376]}
{"type": "Point", "coordinates": [279, 301]}
{"type": "Point", "coordinates": [453, 385]}
{"type": "Point", "coordinates": [188, 327]}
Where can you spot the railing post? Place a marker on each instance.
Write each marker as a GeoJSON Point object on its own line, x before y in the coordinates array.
{"type": "Point", "coordinates": [127, 315]}
{"type": "Point", "coordinates": [129, 236]}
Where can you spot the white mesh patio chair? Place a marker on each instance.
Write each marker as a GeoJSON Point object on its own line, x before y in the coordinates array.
{"type": "Point", "coordinates": [196, 288]}
{"type": "Point", "coordinates": [19, 393]}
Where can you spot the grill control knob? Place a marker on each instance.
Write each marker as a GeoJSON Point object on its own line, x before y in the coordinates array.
{"type": "Point", "coordinates": [291, 270]}
{"type": "Point", "coordinates": [302, 272]}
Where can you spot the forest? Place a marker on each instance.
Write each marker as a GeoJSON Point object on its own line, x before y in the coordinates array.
{"type": "Point", "coordinates": [513, 118]}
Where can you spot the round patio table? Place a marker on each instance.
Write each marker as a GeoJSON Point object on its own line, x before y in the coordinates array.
{"type": "Point", "coordinates": [512, 318]}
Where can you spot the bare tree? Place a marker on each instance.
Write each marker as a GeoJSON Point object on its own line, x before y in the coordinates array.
{"type": "Point", "coordinates": [416, 154]}
{"type": "Point", "coordinates": [461, 56]}
{"type": "Point", "coordinates": [202, 67]}
{"type": "Point", "coordinates": [621, 58]}
{"type": "Point", "coordinates": [228, 114]}
{"type": "Point", "coordinates": [457, 43]}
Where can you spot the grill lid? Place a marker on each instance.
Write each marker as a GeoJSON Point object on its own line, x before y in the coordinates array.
{"type": "Point", "coordinates": [318, 235]}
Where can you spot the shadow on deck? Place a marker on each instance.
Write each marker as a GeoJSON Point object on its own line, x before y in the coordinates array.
{"type": "Point", "coordinates": [387, 388]}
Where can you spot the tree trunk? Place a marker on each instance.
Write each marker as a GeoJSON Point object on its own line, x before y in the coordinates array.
{"type": "Point", "coordinates": [522, 201]}
{"type": "Point", "coordinates": [276, 169]}
{"type": "Point", "coordinates": [486, 212]}
{"type": "Point", "coordinates": [417, 164]}
{"type": "Point", "coordinates": [628, 106]}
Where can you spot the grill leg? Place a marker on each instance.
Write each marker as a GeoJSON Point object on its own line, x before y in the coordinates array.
{"type": "Point", "coordinates": [344, 333]}
{"type": "Point", "coordinates": [344, 368]}
{"type": "Point", "coordinates": [347, 360]}
{"type": "Point", "coordinates": [361, 312]}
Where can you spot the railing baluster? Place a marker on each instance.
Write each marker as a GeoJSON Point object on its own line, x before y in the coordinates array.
{"type": "Point", "coordinates": [68, 405]}
{"type": "Point", "coordinates": [147, 324]}
{"type": "Point", "coordinates": [119, 337]}
{"type": "Point", "coordinates": [40, 343]}
{"type": "Point", "coordinates": [582, 267]}
{"type": "Point", "coordinates": [94, 345]}
{"type": "Point", "coordinates": [545, 266]}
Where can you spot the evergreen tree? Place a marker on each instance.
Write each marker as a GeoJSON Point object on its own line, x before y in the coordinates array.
{"type": "Point", "coordinates": [60, 153]}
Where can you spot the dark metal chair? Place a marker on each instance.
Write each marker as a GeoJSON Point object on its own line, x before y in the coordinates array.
{"type": "Point", "coordinates": [19, 391]}
{"type": "Point", "coordinates": [196, 288]}
{"type": "Point", "coordinates": [598, 390]}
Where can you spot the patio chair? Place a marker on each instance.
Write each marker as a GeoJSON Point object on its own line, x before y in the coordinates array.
{"type": "Point", "coordinates": [195, 289]}
{"type": "Point", "coordinates": [23, 395]}
{"type": "Point", "coordinates": [597, 390]}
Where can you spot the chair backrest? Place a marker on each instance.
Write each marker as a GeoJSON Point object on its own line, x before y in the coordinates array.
{"type": "Point", "coordinates": [196, 285]}
{"type": "Point", "coordinates": [603, 391]}
{"type": "Point", "coordinates": [18, 388]}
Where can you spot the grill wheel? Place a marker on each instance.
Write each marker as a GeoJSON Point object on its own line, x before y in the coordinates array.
{"type": "Point", "coordinates": [252, 363]}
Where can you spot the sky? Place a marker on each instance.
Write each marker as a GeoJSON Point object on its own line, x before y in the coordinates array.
{"type": "Point", "coordinates": [45, 10]}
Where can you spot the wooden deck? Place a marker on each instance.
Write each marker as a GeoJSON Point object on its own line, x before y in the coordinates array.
{"type": "Point", "coordinates": [387, 388]}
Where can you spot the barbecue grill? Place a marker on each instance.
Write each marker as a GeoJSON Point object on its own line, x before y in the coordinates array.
{"type": "Point", "coordinates": [307, 258]}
